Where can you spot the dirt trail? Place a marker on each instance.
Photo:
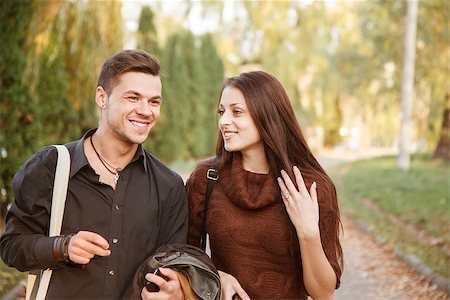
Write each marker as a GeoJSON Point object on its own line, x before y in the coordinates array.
{"type": "Point", "coordinates": [373, 271]}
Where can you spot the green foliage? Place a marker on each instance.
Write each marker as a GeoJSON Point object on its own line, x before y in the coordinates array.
{"type": "Point", "coordinates": [56, 113]}
{"type": "Point", "coordinates": [192, 77]}
{"type": "Point", "coordinates": [147, 34]}
{"type": "Point", "coordinates": [419, 198]}
{"type": "Point", "coordinates": [51, 53]}
{"type": "Point", "coordinates": [347, 50]}
{"type": "Point", "coordinates": [211, 78]}
{"type": "Point", "coordinates": [92, 34]}
{"type": "Point", "coordinates": [432, 67]}
{"type": "Point", "coordinates": [19, 126]}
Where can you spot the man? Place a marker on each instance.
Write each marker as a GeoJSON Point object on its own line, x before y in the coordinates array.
{"type": "Point", "coordinates": [122, 202]}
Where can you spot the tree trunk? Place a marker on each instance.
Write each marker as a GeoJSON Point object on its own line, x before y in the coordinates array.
{"type": "Point", "coordinates": [407, 85]}
{"type": "Point", "coordinates": [442, 150]}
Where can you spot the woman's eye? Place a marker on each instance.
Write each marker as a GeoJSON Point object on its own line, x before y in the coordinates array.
{"type": "Point", "coordinates": [237, 112]}
{"type": "Point", "coordinates": [220, 111]}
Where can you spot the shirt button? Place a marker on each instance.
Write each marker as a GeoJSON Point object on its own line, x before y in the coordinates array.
{"type": "Point", "coordinates": [115, 240]}
{"type": "Point", "coordinates": [116, 207]}
{"type": "Point", "coordinates": [111, 273]}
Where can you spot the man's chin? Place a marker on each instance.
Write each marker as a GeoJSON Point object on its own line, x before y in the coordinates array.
{"type": "Point", "coordinates": [139, 140]}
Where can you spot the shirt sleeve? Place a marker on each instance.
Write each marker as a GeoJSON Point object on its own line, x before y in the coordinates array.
{"type": "Point", "coordinates": [25, 244]}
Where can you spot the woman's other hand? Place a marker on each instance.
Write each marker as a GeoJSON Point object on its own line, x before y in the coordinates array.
{"type": "Point", "coordinates": [230, 287]}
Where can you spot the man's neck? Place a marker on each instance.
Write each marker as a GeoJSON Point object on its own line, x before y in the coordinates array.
{"type": "Point", "coordinates": [115, 151]}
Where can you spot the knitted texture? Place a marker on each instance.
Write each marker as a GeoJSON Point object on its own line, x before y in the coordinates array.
{"type": "Point", "coordinates": [251, 235]}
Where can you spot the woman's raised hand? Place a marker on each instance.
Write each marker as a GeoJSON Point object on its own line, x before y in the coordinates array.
{"type": "Point", "coordinates": [301, 205]}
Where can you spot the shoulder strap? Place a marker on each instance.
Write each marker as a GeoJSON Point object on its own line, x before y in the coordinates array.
{"type": "Point", "coordinates": [58, 202]}
{"type": "Point", "coordinates": [59, 190]}
{"type": "Point", "coordinates": [212, 175]}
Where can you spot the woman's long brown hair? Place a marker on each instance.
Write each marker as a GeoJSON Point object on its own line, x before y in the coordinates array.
{"type": "Point", "coordinates": [284, 143]}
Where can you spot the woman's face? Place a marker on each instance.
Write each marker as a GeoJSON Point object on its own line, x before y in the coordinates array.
{"type": "Point", "coordinates": [238, 129]}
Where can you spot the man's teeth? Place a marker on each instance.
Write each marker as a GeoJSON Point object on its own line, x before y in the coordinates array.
{"type": "Point", "coordinates": [139, 124]}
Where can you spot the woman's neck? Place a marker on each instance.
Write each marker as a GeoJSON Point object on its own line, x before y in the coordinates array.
{"type": "Point", "coordinates": [255, 162]}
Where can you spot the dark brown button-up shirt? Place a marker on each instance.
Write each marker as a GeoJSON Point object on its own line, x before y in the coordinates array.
{"type": "Point", "coordinates": [147, 209]}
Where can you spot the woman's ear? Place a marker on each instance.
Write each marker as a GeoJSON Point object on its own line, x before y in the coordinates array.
{"type": "Point", "coordinates": [101, 97]}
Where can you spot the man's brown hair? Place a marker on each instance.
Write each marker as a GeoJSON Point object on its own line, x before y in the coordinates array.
{"type": "Point", "coordinates": [123, 62]}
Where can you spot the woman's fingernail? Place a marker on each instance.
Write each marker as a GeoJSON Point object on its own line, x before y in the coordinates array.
{"type": "Point", "coordinates": [283, 171]}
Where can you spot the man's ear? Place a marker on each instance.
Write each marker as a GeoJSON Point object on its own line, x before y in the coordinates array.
{"type": "Point", "coordinates": [101, 97]}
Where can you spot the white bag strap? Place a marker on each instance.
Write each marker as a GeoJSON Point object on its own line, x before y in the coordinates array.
{"type": "Point", "coordinates": [59, 190]}
{"type": "Point", "coordinates": [58, 202]}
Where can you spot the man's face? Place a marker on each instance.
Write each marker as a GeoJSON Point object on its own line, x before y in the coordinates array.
{"type": "Point", "coordinates": [133, 107]}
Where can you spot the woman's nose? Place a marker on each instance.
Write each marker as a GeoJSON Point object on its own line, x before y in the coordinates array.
{"type": "Point", "coordinates": [224, 120]}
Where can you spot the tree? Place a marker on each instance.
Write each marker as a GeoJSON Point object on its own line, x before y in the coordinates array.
{"type": "Point", "coordinates": [147, 35]}
{"type": "Point", "coordinates": [407, 85]}
{"type": "Point", "coordinates": [442, 150]}
{"type": "Point", "coordinates": [93, 33]}
{"type": "Point", "coordinates": [432, 70]}
{"type": "Point", "coordinates": [50, 81]}
{"type": "Point", "coordinates": [19, 128]}
{"type": "Point", "coordinates": [192, 76]}
{"type": "Point", "coordinates": [164, 140]}
{"type": "Point", "coordinates": [211, 76]}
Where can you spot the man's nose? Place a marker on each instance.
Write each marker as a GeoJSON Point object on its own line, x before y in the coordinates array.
{"type": "Point", "coordinates": [144, 108]}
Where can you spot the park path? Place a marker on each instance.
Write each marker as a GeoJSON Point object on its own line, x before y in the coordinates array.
{"type": "Point", "coordinates": [372, 270]}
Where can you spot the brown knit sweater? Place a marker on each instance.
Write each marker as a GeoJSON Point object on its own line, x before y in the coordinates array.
{"type": "Point", "coordinates": [251, 235]}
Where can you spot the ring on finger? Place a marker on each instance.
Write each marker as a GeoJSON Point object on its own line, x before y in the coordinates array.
{"type": "Point", "coordinates": [287, 196]}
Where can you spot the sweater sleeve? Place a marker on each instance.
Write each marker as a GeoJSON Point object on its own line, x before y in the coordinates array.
{"type": "Point", "coordinates": [329, 225]}
{"type": "Point", "coordinates": [196, 190]}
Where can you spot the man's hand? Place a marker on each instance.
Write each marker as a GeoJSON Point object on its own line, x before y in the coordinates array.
{"type": "Point", "coordinates": [169, 289]}
{"type": "Point", "coordinates": [85, 245]}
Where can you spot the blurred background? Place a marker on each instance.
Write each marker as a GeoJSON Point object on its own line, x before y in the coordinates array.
{"type": "Point", "coordinates": [341, 62]}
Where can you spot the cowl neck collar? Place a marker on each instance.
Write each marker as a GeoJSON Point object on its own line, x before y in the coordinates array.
{"type": "Point", "coordinates": [247, 189]}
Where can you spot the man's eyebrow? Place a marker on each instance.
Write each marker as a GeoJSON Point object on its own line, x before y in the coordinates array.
{"type": "Point", "coordinates": [139, 94]}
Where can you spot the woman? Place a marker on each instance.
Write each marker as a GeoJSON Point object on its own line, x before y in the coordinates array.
{"type": "Point", "coordinates": [273, 217]}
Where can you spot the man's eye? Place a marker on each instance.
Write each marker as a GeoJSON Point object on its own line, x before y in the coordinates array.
{"type": "Point", "coordinates": [133, 98]}
{"type": "Point", "coordinates": [155, 101]}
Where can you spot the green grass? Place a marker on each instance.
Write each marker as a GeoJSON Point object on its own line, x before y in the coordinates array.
{"type": "Point", "coordinates": [419, 197]}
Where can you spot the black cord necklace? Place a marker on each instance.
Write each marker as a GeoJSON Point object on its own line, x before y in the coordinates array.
{"type": "Point", "coordinates": [105, 163]}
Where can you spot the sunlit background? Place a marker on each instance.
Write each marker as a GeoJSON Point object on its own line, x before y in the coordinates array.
{"type": "Point", "coordinates": [341, 63]}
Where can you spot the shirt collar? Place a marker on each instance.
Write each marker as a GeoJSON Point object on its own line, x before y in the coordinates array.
{"type": "Point", "coordinates": [79, 159]}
